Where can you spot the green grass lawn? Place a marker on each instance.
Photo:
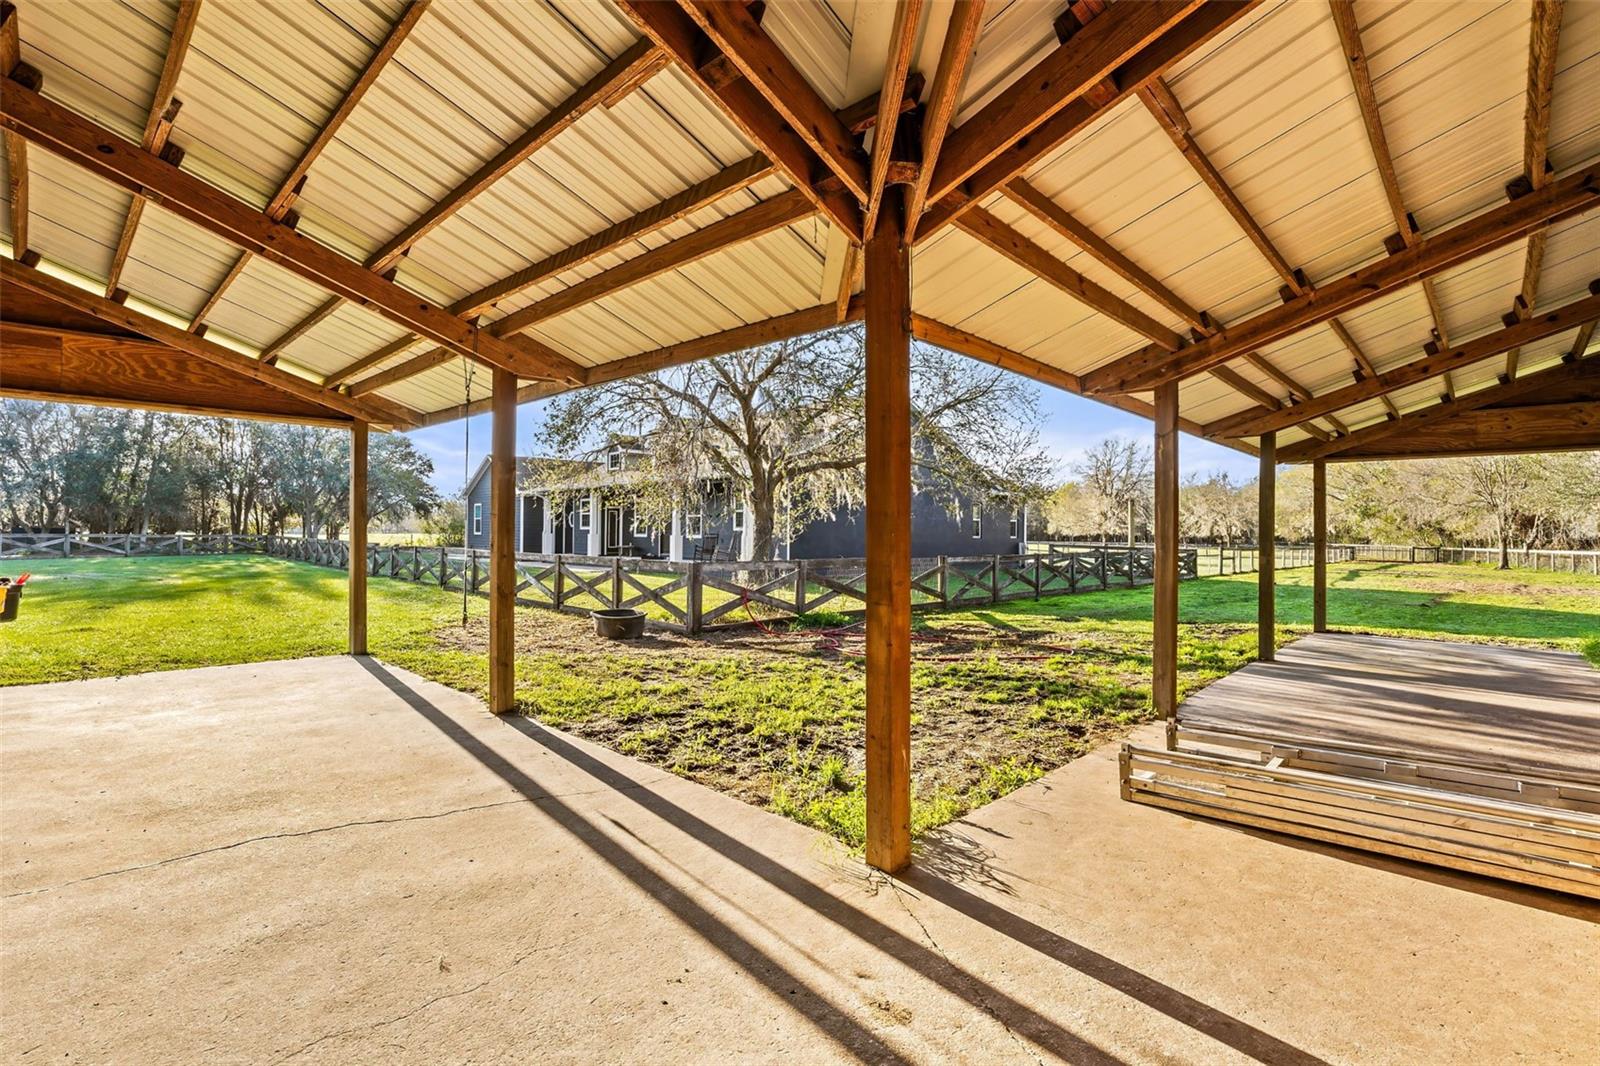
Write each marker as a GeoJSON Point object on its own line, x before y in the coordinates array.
{"type": "Point", "coordinates": [1001, 693]}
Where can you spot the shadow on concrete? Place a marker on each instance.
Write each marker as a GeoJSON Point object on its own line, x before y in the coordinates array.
{"type": "Point", "coordinates": [924, 960]}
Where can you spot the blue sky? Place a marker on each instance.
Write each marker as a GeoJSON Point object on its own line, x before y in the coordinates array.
{"type": "Point", "coordinates": [1072, 424]}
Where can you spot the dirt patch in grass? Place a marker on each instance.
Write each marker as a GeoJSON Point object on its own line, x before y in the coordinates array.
{"type": "Point", "coordinates": [778, 719]}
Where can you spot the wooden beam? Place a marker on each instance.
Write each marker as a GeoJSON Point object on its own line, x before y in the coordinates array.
{"type": "Point", "coordinates": [1571, 195]}
{"type": "Point", "coordinates": [1364, 365]}
{"type": "Point", "coordinates": [782, 210]}
{"type": "Point", "coordinates": [1266, 549]}
{"type": "Point", "coordinates": [955, 56]}
{"type": "Point", "coordinates": [357, 564]}
{"type": "Point", "coordinates": [1164, 654]}
{"type": "Point", "coordinates": [289, 188]}
{"type": "Point", "coordinates": [1493, 431]}
{"type": "Point", "coordinates": [69, 295]}
{"type": "Point", "coordinates": [764, 217]}
{"type": "Point", "coordinates": [157, 127]}
{"type": "Point", "coordinates": [16, 147]}
{"type": "Point", "coordinates": [1344, 19]}
{"type": "Point", "coordinates": [1053, 215]}
{"type": "Point", "coordinates": [734, 29]}
{"type": "Point", "coordinates": [1544, 40]}
{"type": "Point", "coordinates": [502, 549]}
{"type": "Point", "coordinates": [623, 70]}
{"type": "Point", "coordinates": [1319, 547]}
{"type": "Point", "coordinates": [888, 517]}
{"type": "Point", "coordinates": [678, 35]}
{"type": "Point", "coordinates": [992, 232]}
{"type": "Point", "coordinates": [862, 115]}
{"type": "Point", "coordinates": [730, 179]}
{"type": "Point", "coordinates": [1170, 48]}
{"type": "Point", "coordinates": [1557, 320]}
{"type": "Point", "coordinates": [1068, 72]}
{"type": "Point", "coordinates": [1528, 384]}
{"type": "Point", "coordinates": [105, 154]}
{"type": "Point", "coordinates": [901, 43]}
{"type": "Point", "coordinates": [417, 364]}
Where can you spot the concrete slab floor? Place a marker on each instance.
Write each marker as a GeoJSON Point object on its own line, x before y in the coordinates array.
{"type": "Point", "coordinates": [335, 861]}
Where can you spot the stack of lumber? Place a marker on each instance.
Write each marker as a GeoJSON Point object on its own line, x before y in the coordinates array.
{"type": "Point", "coordinates": [1529, 828]}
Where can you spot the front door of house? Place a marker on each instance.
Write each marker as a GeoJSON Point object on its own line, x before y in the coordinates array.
{"type": "Point", "coordinates": [613, 531]}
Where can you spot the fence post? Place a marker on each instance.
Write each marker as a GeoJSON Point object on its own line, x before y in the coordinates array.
{"type": "Point", "coordinates": [692, 622]}
{"type": "Point", "coordinates": [944, 581]}
{"type": "Point", "coordinates": [800, 587]}
{"type": "Point", "coordinates": [616, 581]}
{"type": "Point", "coordinates": [1038, 576]}
{"type": "Point", "coordinates": [994, 579]}
{"type": "Point", "coordinates": [560, 585]}
{"type": "Point", "coordinates": [444, 567]}
{"type": "Point", "coordinates": [1101, 566]}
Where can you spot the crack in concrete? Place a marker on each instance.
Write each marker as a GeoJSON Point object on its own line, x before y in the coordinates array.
{"type": "Point", "coordinates": [425, 1004]}
{"type": "Point", "coordinates": [977, 997]}
{"type": "Point", "coordinates": [534, 800]}
{"type": "Point", "coordinates": [258, 839]}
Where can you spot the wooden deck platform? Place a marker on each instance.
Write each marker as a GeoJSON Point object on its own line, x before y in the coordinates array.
{"type": "Point", "coordinates": [1521, 706]}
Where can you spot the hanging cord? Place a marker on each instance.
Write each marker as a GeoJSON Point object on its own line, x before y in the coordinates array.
{"type": "Point", "coordinates": [466, 476]}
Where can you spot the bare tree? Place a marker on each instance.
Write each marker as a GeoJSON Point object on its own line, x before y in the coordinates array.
{"type": "Point", "coordinates": [784, 425]}
{"type": "Point", "coordinates": [1119, 474]}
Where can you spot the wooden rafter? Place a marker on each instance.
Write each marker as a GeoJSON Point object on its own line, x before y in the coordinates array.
{"type": "Point", "coordinates": [683, 40]}
{"type": "Point", "coordinates": [1544, 38]}
{"type": "Point", "coordinates": [1169, 114]}
{"type": "Point", "coordinates": [995, 234]}
{"type": "Point", "coordinates": [1407, 234]}
{"type": "Point", "coordinates": [1536, 327]}
{"type": "Point", "coordinates": [1134, 73]}
{"type": "Point", "coordinates": [1064, 75]}
{"type": "Point", "coordinates": [781, 327]}
{"type": "Point", "coordinates": [730, 179]}
{"type": "Point", "coordinates": [1444, 411]}
{"type": "Point", "coordinates": [621, 72]}
{"type": "Point", "coordinates": [901, 44]}
{"type": "Point", "coordinates": [764, 217]}
{"type": "Point", "coordinates": [16, 147]}
{"type": "Point", "coordinates": [157, 128]}
{"type": "Point", "coordinates": [1053, 215]}
{"type": "Point", "coordinates": [737, 33]}
{"type": "Point", "coordinates": [289, 188]}
{"type": "Point", "coordinates": [1563, 198]}
{"type": "Point", "coordinates": [117, 314]}
{"type": "Point", "coordinates": [109, 156]}
{"type": "Point", "coordinates": [955, 55]}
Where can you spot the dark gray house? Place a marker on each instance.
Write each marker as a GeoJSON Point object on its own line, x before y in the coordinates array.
{"type": "Point", "coordinates": [589, 515]}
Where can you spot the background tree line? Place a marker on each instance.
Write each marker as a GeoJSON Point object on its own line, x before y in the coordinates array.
{"type": "Point", "coordinates": [108, 470]}
{"type": "Point", "coordinates": [1513, 501]}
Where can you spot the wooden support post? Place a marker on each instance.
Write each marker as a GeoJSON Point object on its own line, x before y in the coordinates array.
{"type": "Point", "coordinates": [502, 530]}
{"type": "Point", "coordinates": [1266, 529]}
{"type": "Point", "coordinates": [1164, 563]}
{"type": "Point", "coordinates": [1319, 546]}
{"type": "Point", "coordinates": [888, 412]}
{"type": "Point", "coordinates": [358, 538]}
{"type": "Point", "coordinates": [695, 600]}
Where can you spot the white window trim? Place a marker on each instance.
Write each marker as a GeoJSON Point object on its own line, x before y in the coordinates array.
{"type": "Point", "coordinates": [584, 517]}
{"type": "Point", "coordinates": [638, 524]}
{"type": "Point", "coordinates": [1015, 526]}
{"type": "Point", "coordinates": [977, 523]}
{"type": "Point", "coordinates": [614, 459]}
{"type": "Point", "coordinates": [738, 516]}
{"type": "Point", "coordinates": [694, 524]}
{"type": "Point", "coordinates": [477, 519]}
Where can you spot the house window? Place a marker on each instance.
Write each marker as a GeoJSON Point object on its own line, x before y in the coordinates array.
{"type": "Point", "coordinates": [694, 524]}
{"type": "Point", "coordinates": [583, 513]}
{"type": "Point", "coordinates": [738, 517]}
{"type": "Point", "coordinates": [477, 519]}
{"type": "Point", "coordinates": [977, 522]}
{"type": "Point", "coordinates": [638, 523]}
{"type": "Point", "coordinates": [1015, 517]}
{"type": "Point", "coordinates": [614, 459]}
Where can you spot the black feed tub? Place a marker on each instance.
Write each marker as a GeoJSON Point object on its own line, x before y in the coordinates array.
{"type": "Point", "coordinates": [622, 623]}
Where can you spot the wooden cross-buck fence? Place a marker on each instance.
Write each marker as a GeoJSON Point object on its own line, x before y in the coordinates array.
{"type": "Point", "coordinates": [693, 597]}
